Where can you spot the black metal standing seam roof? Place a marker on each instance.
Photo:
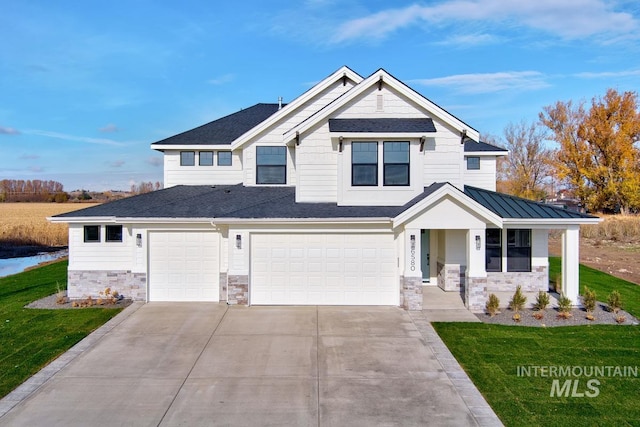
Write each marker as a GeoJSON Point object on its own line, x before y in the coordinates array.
{"type": "Point", "coordinates": [224, 130]}
{"type": "Point", "coordinates": [512, 207]}
{"type": "Point", "coordinates": [235, 201]}
{"type": "Point", "coordinates": [474, 146]}
{"type": "Point", "coordinates": [392, 125]}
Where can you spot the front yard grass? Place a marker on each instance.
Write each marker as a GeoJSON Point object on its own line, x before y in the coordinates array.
{"type": "Point", "coordinates": [492, 354]}
{"type": "Point", "coordinates": [31, 338]}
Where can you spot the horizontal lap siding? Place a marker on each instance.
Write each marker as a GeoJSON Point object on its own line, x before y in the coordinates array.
{"type": "Point", "coordinates": [99, 255]}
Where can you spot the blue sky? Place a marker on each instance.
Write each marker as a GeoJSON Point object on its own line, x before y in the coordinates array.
{"type": "Point", "coordinates": [86, 86]}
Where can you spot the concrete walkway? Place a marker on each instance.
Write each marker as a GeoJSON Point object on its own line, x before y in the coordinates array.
{"type": "Point", "coordinates": [441, 306]}
{"type": "Point", "coordinates": [209, 364]}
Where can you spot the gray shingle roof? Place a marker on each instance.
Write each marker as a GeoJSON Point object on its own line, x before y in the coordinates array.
{"type": "Point", "coordinates": [512, 207]}
{"type": "Point", "coordinates": [235, 201]}
{"type": "Point", "coordinates": [470, 146]}
{"type": "Point", "coordinates": [238, 201]}
{"type": "Point", "coordinates": [393, 125]}
{"type": "Point", "coordinates": [224, 130]}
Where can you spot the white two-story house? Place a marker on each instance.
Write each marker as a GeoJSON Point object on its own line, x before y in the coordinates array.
{"type": "Point", "coordinates": [359, 192]}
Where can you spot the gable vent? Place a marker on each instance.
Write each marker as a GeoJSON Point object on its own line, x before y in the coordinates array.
{"type": "Point", "coordinates": [379, 103]}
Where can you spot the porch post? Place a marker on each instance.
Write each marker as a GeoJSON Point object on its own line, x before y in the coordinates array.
{"type": "Point", "coordinates": [571, 262]}
{"type": "Point", "coordinates": [411, 281]}
{"type": "Point", "coordinates": [475, 286]}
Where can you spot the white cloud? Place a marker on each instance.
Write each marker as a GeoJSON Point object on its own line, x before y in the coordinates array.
{"type": "Point", "coordinates": [117, 163]}
{"type": "Point", "coordinates": [36, 169]}
{"type": "Point", "coordinates": [608, 74]}
{"type": "Point", "coordinates": [488, 82]}
{"type": "Point", "coordinates": [109, 128]}
{"type": "Point", "coordinates": [155, 161]}
{"type": "Point", "coordinates": [8, 131]}
{"type": "Point", "coordinates": [469, 40]}
{"type": "Point", "coordinates": [220, 80]}
{"type": "Point", "coordinates": [571, 20]}
{"type": "Point", "coordinates": [84, 139]}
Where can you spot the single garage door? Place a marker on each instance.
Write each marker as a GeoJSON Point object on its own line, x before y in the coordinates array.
{"type": "Point", "coordinates": [183, 266]}
{"type": "Point", "coordinates": [323, 269]}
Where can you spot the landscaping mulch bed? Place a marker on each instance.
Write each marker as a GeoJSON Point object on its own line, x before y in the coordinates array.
{"type": "Point", "coordinates": [550, 319]}
{"type": "Point", "coordinates": [50, 303]}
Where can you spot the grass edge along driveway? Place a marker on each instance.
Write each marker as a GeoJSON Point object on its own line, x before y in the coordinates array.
{"type": "Point", "coordinates": [32, 338]}
{"type": "Point", "coordinates": [493, 357]}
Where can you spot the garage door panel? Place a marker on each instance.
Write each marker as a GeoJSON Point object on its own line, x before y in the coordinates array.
{"type": "Point", "coordinates": [337, 269]}
{"type": "Point", "coordinates": [183, 266]}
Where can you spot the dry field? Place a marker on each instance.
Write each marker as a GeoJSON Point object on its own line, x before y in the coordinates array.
{"type": "Point", "coordinates": [613, 246]}
{"type": "Point", "coordinates": [25, 224]}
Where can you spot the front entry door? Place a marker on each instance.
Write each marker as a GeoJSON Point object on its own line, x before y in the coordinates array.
{"type": "Point", "coordinates": [425, 257]}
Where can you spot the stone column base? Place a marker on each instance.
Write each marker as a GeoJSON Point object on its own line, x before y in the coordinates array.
{"type": "Point", "coordinates": [411, 293]}
{"type": "Point", "coordinates": [238, 290]}
{"type": "Point", "coordinates": [475, 293]}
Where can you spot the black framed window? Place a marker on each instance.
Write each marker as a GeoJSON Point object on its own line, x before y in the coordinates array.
{"type": "Point", "coordinates": [187, 158]}
{"type": "Point", "coordinates": [519, 250]}
{"type": "Point", "coordinates": [271, 165]}
{"type": "Point", "coordinates": [364, 163]}
{"type": "Point", "coordinates": [473, 163]}
{"type": "Point", "coordinates": [396, 163]}
{"type": "Point", "coordinates": [224, 158]}
{"type": "Point", "coordinates": [113, 233]}
{"type": "Point", "coordinates": [205, 158]}
{"type": "Point", "coordinates": [493, 249]}
{"type": "Point", "coordinates": [91, 233]}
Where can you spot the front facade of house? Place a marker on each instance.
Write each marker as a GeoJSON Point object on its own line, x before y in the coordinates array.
{"type": "Point", "coordinates": [359, 192]}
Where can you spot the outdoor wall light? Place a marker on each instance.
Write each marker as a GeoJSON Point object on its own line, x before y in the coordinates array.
{"type": "Point", "coordinates": [139, 240]}
{"type": "Point", "coordinates": [238, 241]}
{"type": "Point", "coordinates": [478, 244]}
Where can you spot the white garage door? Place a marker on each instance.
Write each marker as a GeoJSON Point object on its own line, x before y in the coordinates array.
{"type": "Point", "coordinates": [183, 266]}
{"type": "Point", "coordinates": [329, 269]}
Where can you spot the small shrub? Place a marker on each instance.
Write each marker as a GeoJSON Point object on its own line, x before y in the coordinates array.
{"type": "Point", "coordinates": [564, 307]}
{"type": "Point", "coordinates": [493, 305]}
{"type": "Point", "coordinates": [614, 301]}
{"type": "Point", "coordinates": [518, 300]}
{"type": "Point", "coordinates": [589, 300]}
{"type": "Point", "coordinates": [558, 283]}
{"type": "Point", "coordinates": [61, 297]}
{"type": "Point", "coordinates": [542, 301]}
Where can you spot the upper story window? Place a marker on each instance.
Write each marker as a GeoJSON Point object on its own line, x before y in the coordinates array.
{"type": "Point", "coordinates": [364, 163]}
{"type": "Point", "coordinates": [114, 233]}
{"type": "Point", "coordinates": [473, 163]}
{"type": "Point", "coordinates": [271, 165]}
{"type": "Point", "coordinates": [205, 158]}
{"type": "Point", "coordinates": [187, 158]}
{"type": "Point", "coordinates": [396, 163]}
{"type": "Point", "coordinates": [91, 233]}
{"type": "Point", "coordinates": [224, 158]}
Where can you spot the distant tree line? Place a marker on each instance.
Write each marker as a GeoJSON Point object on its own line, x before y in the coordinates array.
{"type": "Point", "coordinates": [18, 190]}
{"type": "Point", "coordinates": [145, 187]}
{"type": "Point", "coordinates": [595, 155]}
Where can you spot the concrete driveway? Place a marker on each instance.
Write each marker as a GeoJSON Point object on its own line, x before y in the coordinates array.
{"type": "Point", "coordinates": [169, 364]}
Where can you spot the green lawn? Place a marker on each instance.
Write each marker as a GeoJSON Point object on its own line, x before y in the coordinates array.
{"type": "Point", "coordinates": [491, 355]}
{"type": "Point", "coordinates": [30, 338]}
{"type": "Point", "coordinates": [603, 284]}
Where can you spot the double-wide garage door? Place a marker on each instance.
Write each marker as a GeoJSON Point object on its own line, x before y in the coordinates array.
{"type": "Point", "coordinates": [323, 269]}
{"type": "Point", "coordinates": [183, 266]}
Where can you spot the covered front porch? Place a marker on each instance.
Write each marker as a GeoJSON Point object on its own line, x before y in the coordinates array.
{"type": "Point", "coordinates": [457, 244]}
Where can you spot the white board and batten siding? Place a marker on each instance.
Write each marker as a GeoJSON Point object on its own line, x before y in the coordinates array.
{"type": "Point", "coordinates": [323, 269]}
{"type": "Point", "coordinates": [184, 266]}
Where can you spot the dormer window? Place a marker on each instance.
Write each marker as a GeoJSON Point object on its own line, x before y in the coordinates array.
{"type": "Point", "coordinates": [271, 165]}
{"type": "Point", "coordinates": [364, 163]}
{"type": "Point", "coordinates": [473, 163]}
{"type": "Point", "coordinates": [396, 163]}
